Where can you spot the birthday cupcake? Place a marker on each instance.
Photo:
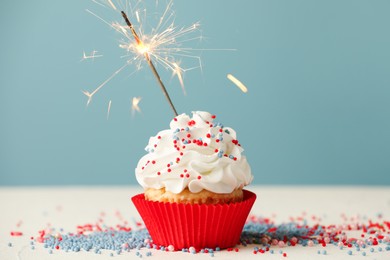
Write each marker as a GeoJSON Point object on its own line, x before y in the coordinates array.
{"type": "Point", "coordinates": [193, 175]}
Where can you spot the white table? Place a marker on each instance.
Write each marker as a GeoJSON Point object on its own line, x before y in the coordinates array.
{"type": "Point", "coordinates": [30, 209]}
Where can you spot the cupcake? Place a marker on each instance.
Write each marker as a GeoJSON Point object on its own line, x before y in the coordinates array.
{"type": "Point", "coordinates": [193, 175]}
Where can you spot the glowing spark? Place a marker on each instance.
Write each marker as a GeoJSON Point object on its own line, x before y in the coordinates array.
{"type": "Point", "coordinates": [179, 72]}
{"type": "Point", "coordinates": [92, 56]}
{"type": "Point", "coordinates": [108, 109]}
{"type": "Point", "coordinates": [238, 83]}
{"type": "Point", "coordinates": [134, 105]}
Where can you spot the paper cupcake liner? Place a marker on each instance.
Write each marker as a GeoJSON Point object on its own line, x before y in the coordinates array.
{"type": "Point", "coordinates": [199, 226]}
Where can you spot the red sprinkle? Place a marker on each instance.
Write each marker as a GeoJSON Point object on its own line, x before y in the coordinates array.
{"type": "Point", "coordinates": [16, 233]}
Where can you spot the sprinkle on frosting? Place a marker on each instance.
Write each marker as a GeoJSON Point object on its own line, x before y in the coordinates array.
{"type": "Point", "coordinates": [195, 153]}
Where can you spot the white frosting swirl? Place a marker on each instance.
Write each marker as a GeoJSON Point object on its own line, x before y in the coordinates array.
{"type": "Point", "coordinates": [195, 153]}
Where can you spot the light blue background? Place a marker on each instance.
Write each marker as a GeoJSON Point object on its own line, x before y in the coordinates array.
{"type": "Point", "coordinates": [317, 110]}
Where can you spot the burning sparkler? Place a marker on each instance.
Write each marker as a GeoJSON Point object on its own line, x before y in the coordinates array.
{"type": "Point", "coordinates": [163, 45]}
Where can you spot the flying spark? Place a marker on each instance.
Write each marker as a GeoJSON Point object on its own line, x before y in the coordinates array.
{"type": "Point", "coordinates": [238, 83]}
{"type": "Point", "coordinates": [108, 109]}
{"type": "Point", "coordinates": [92, 55]}
{"type": "Point", "coordinates": [134, 105]}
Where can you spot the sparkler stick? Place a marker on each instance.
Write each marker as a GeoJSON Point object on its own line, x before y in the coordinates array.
{"type": "Point", "coordinates": [150, 63]}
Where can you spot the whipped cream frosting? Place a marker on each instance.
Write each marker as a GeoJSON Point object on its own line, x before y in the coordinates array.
{"type": "Point", "coordinates": [197, 153]}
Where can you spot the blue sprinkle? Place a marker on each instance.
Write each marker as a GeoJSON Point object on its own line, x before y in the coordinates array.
{"type": "Point", "coordinates": [349, 252]}
{"type": "Point", "coordinates": [10, 244]}
{"type": "Point", "coordinates": [380, 249]}
{"type": "Point", "coordinates": [387, 248]}
{"type": "Point", "coordinates": [217, 249]}
{"type": "Point", "coordinates": [363, 253]}
{"type": "Point", "coordinates": [50, 251]}
{"type": "Point", "coordinates": [358, 249]}
{"type": "Point", "coordinates": [32, 248]}
{"type": "Point", "coordinates": [324, 252]}
{"type": "Point", "coordinates": [280, 252]}
{"type": "Point", "coordinates": [319, 252]}
{"type": "Point", "coordinates": [231, 156]}
{"type": "Point", "coordinates": [372, 249]}
{"type": "Point", "coordinates": [187, 129]}
{"type": "Point", "coordinates": [111, 254]}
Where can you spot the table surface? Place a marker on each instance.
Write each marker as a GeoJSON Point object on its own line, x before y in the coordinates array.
{"type": "Point", "coordinates": [30, 209]}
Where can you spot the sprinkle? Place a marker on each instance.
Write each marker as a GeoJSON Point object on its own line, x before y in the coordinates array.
{"type": "Point", "coordinates": [10, 244]}
{"type": "Point", "coordinates": [16, 233]}
{"type": "Point", "coordinates": [349, 252]}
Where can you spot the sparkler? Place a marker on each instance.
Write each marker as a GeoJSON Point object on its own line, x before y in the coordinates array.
{"type": "Point", "coordinates": [150, 63]}
{"type": "Point", "coordinates": [163, 45]}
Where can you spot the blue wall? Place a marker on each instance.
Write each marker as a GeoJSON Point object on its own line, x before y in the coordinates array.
{"type": "Point", "coordinates": [317, 110]}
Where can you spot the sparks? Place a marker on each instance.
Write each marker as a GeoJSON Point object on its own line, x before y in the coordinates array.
{"type": "Point", "coordinates": [92, 55]}
{"type": "Point", "coordinates": [238, 83]}
{"type": "Point", "coordinates": [163, 44]}
{"type": "Point", "coordinates": [108, 109]}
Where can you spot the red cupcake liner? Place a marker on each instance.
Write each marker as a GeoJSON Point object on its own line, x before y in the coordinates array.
{"type": "Point", "coordinates": [200, 226]}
